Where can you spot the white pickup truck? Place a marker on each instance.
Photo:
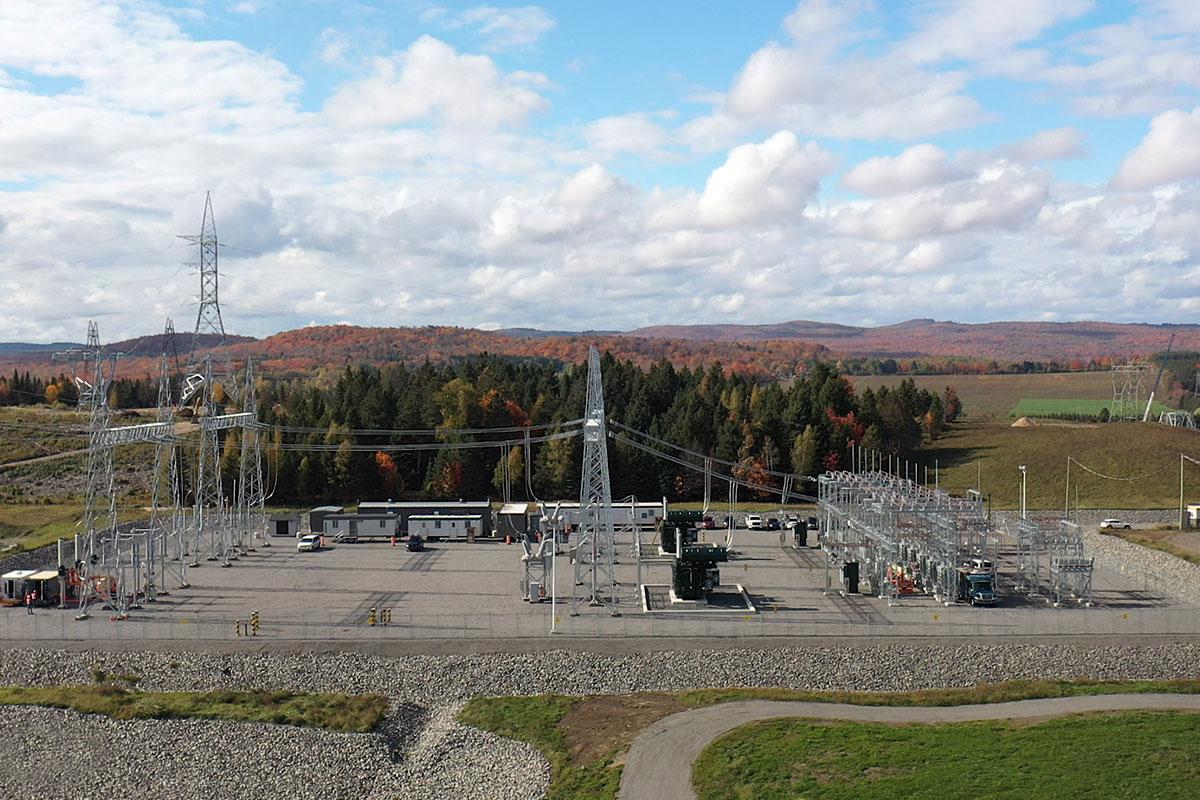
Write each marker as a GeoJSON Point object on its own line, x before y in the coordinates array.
{"type": "Point", "coordinates": [754, 522]}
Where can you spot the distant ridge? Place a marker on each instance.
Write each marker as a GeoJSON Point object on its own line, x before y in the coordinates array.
{"type": "Point", "coordinates": [29, 347]}
{"type": "Point", "coordinates": [779, 349]}
{"type": "Point", "coordinates": [927, 338]}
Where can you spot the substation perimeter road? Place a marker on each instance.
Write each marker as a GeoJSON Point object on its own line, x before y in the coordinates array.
{"type": "Point", "coordinates": [659, 765]}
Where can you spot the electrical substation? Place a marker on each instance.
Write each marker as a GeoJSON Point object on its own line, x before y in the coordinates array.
{"type": "Point", "coordinates": [868, 551]}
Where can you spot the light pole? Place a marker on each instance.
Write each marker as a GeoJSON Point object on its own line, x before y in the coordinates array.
{"type": "Point", "coordinates": [1022, 468]}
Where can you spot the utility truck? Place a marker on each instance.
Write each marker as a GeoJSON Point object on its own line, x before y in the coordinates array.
{"type": "Point", "coordinates": [977, 583]}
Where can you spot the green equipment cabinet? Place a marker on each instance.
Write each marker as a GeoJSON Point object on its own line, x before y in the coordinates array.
{"type": "Point", "coordinates": [679, 526]}
{"type": "Point", "coordinates": [695, 570]}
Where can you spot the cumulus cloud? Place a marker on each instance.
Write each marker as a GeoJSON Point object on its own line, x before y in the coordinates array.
{"type": "Point", "coordinates": [764, 182]}
{"type": "Point", "coordinates": [431, 79]}
{"type": "Point", "coordinates": [629, 133]}
{"type": "Point", "coordinates": [977, 30]}
{"type": "Point", "coordinates": [918, 166]}
{"type": "Point", "coordinates": [847, 96]}
{"type": "Point", "coordinates": [1001, 196]}
{"type": "Point", "coordinates": [428, 187]}
{"type": "Point", "coordinates": [1059, 143]}
{"type": "Point", "coordinates": [1169, 152]}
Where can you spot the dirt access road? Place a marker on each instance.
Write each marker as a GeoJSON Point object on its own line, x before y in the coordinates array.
{"type": "Point", "coordinates": [659, 765]}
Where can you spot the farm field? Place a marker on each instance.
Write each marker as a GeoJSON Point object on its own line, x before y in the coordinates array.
{"type": "Point", "coordinates": [1050, 407]}
{"type": "Point", "coordinates": [994, 396]}
{"type": "Point", "coordinates": [1141, 460]}
{"type": "Point", "coordinates": [1104, 755]}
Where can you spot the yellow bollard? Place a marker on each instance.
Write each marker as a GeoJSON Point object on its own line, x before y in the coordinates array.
{"type": "Point", "coordinates": [371, 616]}
{"type": "Point", "coordinates": [254, 623]}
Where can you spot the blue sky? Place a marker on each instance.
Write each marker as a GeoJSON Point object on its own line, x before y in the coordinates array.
{"type": "Point", "coordinates": [599, 165]}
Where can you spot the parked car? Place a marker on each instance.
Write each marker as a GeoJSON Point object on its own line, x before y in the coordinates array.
{"type": "Point", "coordinates": [415, 543]}
{"type": "Point", "coordinates": [754, 522]}
{"type": "Point", "coordinates": [790, 521]}
{"type": "Point", "coordinates": [309, 543]}
{"type": "Point", "coordinates": [708, 524]}
{"type": "Point", "coordinates": [772, 524]}
{"type": "Point", "coordinates": [1114, 523]}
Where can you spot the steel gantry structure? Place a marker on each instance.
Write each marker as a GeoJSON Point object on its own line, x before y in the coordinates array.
{"type": "Point", "coordinates": [904, 536]}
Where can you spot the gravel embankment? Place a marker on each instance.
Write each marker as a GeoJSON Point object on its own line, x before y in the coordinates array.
{"type": "Point", "coordinates": [1164, 572]}
{"type": "Point", "coordinates": [421, 752]}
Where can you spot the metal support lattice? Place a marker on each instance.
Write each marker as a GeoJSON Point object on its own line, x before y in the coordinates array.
{"type": "Point", "coordinates": [902, 536]}
{"type": "Point", "coordinates": [595, 583]}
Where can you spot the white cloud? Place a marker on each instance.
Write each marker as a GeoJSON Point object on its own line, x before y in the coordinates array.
{"type": "Point", "coordinates": [1001, 196]}
{"type": "Point", "coordinates": [823, 83]}
{"type": "Point", "coordinates": [499, 28]}
{"type": "Point", "coordinates": [333, 46]}
{"type": "Point", "coordinates": [763, 182]}
{"type": "Point", "coordinates": [431, 79]}
{"type": "Point", "coordinates": [918, 166]}
{"type": "Point", "coordinates": [1049, 145]}
{"type": "Point", "coordinates": [421, 194]}
{"type": "Point", "coordinates": [631, 133]}
{"type": "Point", "coordinates": [1170, 151]}
{"type": "Point", "coordinates": [979, 30]}
{"type": "Point", "coordinates": [850, 97]}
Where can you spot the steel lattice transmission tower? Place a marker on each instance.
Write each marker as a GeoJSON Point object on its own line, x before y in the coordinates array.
{"type": "Point", "coordinates": [99, 503]}
{"type": "Point", "coordinates": [83, 360]}
{"type": "Point", "coordinates": [594, 550]}
{"type": "Point", "coordinates": [209, 503]}
{"type": "Point", "coordinates": [167, 521]}
{"type": "Point", "coordinates": [1127, 391]}
{"type": "Point", "coordinates": [208, 318]}
{"type": "Point", "coordinates": [251, 517]}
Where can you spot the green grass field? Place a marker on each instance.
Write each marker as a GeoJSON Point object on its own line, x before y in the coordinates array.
{"type": "Point", "coordinates": [339, 712]}
{"type": "Point", "coordinates": [31, 431]}
{"type": "Point", "coordinates": [591, 770]}
{"type": "Point", "coordinates": [1052, 407]}
{"type": "Point", "coordinates": [1138, 754]}
{"type": "Point", "coordinates": [995, 395]}
{"type": "Point", "coordinates": [30, 526]}
{"type": "Point", "coordinates": [1144, 455]}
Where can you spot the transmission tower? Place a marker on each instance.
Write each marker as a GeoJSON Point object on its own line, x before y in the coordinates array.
{"type": "Point", "coordinates": [167, 521]}
{"type": "Point", "coordinates": [251, 519]}
{"type": "Point", "coordinates": [82, 363]}
{"type": "Point", "coordinates": [99, 503]}
{"type": "Point", "coordinates": [1127, 391]}
{"type": "Point", "coordinates": [208, 318]}
{"type": "Point", "coordinates": [209, 503]}
{"type": "Point", "coordinates": [594, 551]}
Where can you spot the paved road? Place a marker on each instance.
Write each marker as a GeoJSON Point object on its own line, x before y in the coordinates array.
{"type": "Point", "coordinates": [659, 765]}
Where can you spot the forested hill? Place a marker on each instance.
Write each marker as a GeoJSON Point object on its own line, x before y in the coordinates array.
{"type": "Point", "coordinates": [761, 351]}
{"type": "Point", "coordinates": [805, 428]}
{"type": "Point", "coordinates": [309, 351]}
{"type": "Point", "coordinates": [1017, 342]}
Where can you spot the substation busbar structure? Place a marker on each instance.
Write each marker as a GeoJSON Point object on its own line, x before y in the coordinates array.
{"type": "Point", "coordinates": [115, 565]}
{"type": "Point", "coordinates": [900, 536]}
{"type": "Point", "coordinates": [1052, 560]}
